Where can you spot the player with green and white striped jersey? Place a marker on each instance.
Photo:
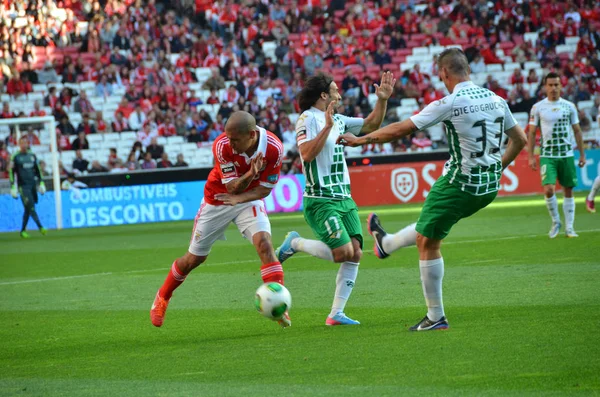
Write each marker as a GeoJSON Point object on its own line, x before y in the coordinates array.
{"type": "Point", "coordinates": [558, 120]}
{"type": "Point", "coordinates": [475, 120]}
{"type": "Point", "coordinates": [328, 206]}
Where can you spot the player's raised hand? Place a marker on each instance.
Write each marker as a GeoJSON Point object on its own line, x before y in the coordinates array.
{"type": "Point", "coordinates": [256, 163]}
{"type": "Point", "coordinates": [227, 199]}
{"type": "Point", "coordinates": [329, 115]}
{"type": "Point", "coordinates": [386, 88]}
{"type": "Point", "coordinates": [348, 140]}
{"type": "Point", "coordinates": [533, 163]}
{"type": "Point", "coordinates": [582, 161]}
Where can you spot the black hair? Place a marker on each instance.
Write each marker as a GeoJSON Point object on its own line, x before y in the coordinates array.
{"type": "Point", "coordinates": [313, 87]}
{"type": "Point", "coordinates": [455, 61]}
{"type": "Point", "coordinates": [551, 75]}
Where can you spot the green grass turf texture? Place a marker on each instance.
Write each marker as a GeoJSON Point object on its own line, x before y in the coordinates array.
{"type": "Point", "coordinates": [523, 311]}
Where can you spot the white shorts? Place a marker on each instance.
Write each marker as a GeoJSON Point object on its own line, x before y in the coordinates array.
{"type": "Point", "coordinates": [212, 220]}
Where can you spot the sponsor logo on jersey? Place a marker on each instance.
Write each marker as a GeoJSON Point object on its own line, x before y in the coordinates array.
{"type": "Point", "coordinates": [228, 170]}
{"type": "Point", "coordinates": [405, 183]}
{"type": "Point", "coordinates": [301, 132]}
{"type": "Point", "coordinates": [273, 178]}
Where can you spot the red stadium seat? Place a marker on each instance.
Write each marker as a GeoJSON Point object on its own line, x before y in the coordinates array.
{"type": "Point", "coordinates": [392, 67]}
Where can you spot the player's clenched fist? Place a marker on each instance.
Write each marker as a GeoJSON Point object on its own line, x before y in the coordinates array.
{"type": "Point", "coordinates": [348, 140]}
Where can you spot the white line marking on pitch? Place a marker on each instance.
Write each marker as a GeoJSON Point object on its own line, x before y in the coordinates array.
{"type": "Point", "coordinates": [40, 280]}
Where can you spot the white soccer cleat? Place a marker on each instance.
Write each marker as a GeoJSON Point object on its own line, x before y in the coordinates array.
{"type": "Point", "coordinates": [571, 233]}
{"type": "Point", "coordinates": [554, 230]}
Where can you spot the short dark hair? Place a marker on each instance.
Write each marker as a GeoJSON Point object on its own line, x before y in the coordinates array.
{"type": "Point", "coordinates": [313, 87]}
{"type": "Point", "coordinates": [551, 75]}
{"type": "Point", "coordinates": [455, 60]}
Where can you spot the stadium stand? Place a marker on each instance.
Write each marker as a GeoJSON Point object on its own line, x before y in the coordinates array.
{"type": "Point", "coordinates": [187, 65]}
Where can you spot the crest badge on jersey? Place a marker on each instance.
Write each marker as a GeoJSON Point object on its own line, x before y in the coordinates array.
{"type": "Point", "coordinates": [405, 183]}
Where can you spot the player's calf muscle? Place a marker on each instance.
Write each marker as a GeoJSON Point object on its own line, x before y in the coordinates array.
{"type": "Point", "coordinates": [189, 262]}
{"type": "Point", "coordinates": [264, 247]}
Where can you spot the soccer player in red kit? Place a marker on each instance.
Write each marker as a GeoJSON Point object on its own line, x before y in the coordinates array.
{"type": "Point", "coordinates": [247, 165]}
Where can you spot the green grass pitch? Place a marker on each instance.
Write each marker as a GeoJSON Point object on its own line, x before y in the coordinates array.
{"type": "Point", "coordinates": [523, 311]}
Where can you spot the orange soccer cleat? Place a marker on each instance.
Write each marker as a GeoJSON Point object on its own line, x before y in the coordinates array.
{"type": "Point", "coordinates": [157, 312]}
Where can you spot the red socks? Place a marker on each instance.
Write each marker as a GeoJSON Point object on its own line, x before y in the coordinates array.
{"type": "Point", "coordinates": [272, 272]}
{"type": "Point", "coordinates": [174, 279]}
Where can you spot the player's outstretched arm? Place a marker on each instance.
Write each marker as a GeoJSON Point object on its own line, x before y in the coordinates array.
{"type": "Point", "coordinates": [258, 193]}
{"type": "Point", "coordinates": [388, 133]}
{"type": "Point", "coordinates": [516, 143]}
{"type": "Point", "coordinates": [384, 92]}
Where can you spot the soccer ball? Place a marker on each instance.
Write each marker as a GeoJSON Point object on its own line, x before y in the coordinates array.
{"type": "Point", "coordinates": [272, 300]}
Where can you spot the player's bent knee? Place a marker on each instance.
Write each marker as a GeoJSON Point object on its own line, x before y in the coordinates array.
{"type": "Point", "coordinates": [344, 253]}
{"type": "Point", "coordinates": [427, 244]}
{"type": "Point", "coordinates": [357, 255]}
{"type": "Point", "coordinates": [549, 190]}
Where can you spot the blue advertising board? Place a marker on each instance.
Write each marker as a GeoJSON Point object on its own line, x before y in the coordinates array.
{"type": "Point", "coordinates": [135, 204]}
{"type": "Point", "coordinates": [173, 201]}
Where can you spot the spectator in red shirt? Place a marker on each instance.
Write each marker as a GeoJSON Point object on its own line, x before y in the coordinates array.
{"type": "Point", "coordinates": [420, 141]}
{"type": "Point", "coordinates": [85, 126]}
{"type": "Point", "coordinates": [101, 126]}
{"type": "Point", "coordinates": [167, 128]}
{"type": "Point", "coordinates": [6, 113]}
{"type": "Point", "coordinates": [31, 137]}
{"type": "Point", "coordinates": [213, 99]}
{"type": "Point", "coordinates": [15, 86]}
{"type": "Point", "coordinates": [517, 77]}
{"type": "Point", "coordinates": [417, 77]}
{"type": "Point", "coordinates": [532, 77]}
{"type": "Point", "coordinates": [120, 123]}
{"type": "Point", "coordinates": [498, 90]}
{"type": "Point", "coordinates": [570, 28]}
{"type": "Point", "coordinates": [37, 111]}
{"type": "Point", "coordinates": [431, 95]}
{"type": "Point", "coordinates": [489, 56]}
{"type": "Point", "coordinates": [164, 162]}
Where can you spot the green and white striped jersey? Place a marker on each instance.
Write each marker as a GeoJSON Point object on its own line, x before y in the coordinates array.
{"type": "Point", "coordinates": [475, 120]}
{"type": "Point", "coordinates": [327, 175]}
{"type": "Point", "coordinates": [555, 120]}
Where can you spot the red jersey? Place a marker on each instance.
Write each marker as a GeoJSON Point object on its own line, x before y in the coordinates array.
{"type": "Point", "coordinates": [230, 165]}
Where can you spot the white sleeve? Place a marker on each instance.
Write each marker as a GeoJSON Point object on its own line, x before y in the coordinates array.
{"type": "Point", "coordinates": [574, 114]}
{"type": "Point", "coordinates": [434, 113]}
{"type": "Point", "coordinates": [352, 125]}
{"type": "Point", "coordinates": [534, 116]}
{"type": "Point", "coordinates": [509, 119]}
{"type": "Point", "coordinates": [306, 128]}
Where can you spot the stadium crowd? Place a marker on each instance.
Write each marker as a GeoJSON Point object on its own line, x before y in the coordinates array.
{"type": "Point", "coordinates": [259, 52]}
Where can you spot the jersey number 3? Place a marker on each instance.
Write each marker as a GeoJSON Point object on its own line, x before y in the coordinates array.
{"type": "Point", "coordinates": [483, 138]}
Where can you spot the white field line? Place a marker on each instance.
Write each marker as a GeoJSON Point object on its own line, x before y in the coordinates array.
{"type": "Point", "coordinates": [41, 280]}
